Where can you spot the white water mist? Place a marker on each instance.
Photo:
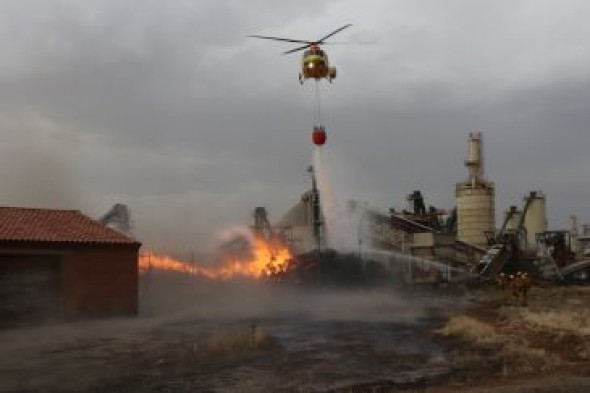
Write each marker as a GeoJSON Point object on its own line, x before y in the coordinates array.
{"type": "Point", "coordinates": [345, 224]}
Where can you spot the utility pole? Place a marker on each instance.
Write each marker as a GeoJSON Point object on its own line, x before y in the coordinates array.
{"type": "Point", "coordinates": [315, 209]}
{"type": "Point", "coordinates": [364, 207]}
{"type": "Point", "coordinates": [193, 268]}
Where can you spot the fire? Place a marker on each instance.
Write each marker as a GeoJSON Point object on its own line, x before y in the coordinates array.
{"type": "Point", "coordinates": [268, 257]}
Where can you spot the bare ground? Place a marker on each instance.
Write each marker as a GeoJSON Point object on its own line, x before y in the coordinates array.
{"type": "Point", "coordinates": [491, 345]}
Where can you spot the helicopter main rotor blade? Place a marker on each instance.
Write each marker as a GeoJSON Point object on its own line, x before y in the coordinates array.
{"type": "Point", "coordinates": [352, 42]}
{"type": "Point", "coordinates": [297, 49]}
{"type": "Point", "coordinates": [321, 40]}
{"type": "Point", "coordinates": [280, 39]}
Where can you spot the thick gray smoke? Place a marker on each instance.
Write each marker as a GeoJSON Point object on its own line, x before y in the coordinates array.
{"type": "Point", "coordinates": [38, 175]}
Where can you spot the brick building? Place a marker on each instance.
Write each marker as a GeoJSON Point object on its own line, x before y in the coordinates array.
{"type": "Point", "coordinates": [57, 264]}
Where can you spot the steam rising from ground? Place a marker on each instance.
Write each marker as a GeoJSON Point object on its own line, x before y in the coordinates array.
{"type": "Point", "coordinates": [179, 313]}
{"type": "Point", "coordinates": [247, 299]}
{"type": "Point", "coordinates": [174, 298]}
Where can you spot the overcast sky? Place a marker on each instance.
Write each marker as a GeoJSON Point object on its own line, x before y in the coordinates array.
{"type": "Point", "coordinates": [168, 107]}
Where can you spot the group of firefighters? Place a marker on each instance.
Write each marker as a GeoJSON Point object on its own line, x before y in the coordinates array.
{"type": "Point", "coordinates": [519, 285]}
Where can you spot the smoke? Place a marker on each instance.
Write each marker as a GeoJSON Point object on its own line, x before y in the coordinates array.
{"type": "Point", "coordinates": [173, 296]}
{"type": "Point", "coordinates": [37, 169]}
{"type": "Point", "coordinates": [178, 311]}
{"type": "Point", "coordinates": [235, 243]}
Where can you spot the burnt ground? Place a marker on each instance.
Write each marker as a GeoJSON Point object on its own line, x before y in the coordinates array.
{"type": "Point", "coordinates": [360, 341]}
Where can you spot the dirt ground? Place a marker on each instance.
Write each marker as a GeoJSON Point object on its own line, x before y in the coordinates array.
{"type": "Point", "coordinates": [506, 347]}
{"type": "Point", "coordinates": [364, 341]}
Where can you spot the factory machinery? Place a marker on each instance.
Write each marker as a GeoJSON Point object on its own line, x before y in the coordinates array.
{"type": "Point", "coordinates": [263, 229]}
{"type": "Point", "coordinates": [523, 243]}
{"type": "Point", "coordinates": [117, 218]}
{"type": "Point", "coordinates": [510, 242]}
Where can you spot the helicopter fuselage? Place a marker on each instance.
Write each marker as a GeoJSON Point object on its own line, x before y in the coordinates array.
{"type": "Point", "coordinates": [315, 64]}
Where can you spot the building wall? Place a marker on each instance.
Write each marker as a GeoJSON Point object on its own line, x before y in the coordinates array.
{"type": "Point", "coordinates": [100, 281]}
{"type": "Point", "coordinates": [92, 280]}
{"type": "Point", "coordinates": [437, 246]}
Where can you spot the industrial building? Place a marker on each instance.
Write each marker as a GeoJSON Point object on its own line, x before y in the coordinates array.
{"type": "Point", "coordinates": [61, 264]}
{"type": "Point", "coordinates": [304, 221]}
{"type": "Point", "coordinates": [420, 232]}
{"type": "Point", "coordinates": [467, 238]}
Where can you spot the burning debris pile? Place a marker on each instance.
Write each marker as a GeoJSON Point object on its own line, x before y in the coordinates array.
{"type": "Point", "coordinates": [270, 260]}
{"type": "Point", "coordinates": [242, 256]}
{"type": "Point", "coordinates": [329, 268]}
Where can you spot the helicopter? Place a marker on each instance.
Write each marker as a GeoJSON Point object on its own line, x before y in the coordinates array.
{"type": "Point", "coordinates": [314, 62]}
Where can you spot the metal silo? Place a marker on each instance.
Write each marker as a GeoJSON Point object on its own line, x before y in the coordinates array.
{"type": "Point", "coordinates": [475, 198]}
{"type": "Point", "coordinates": [512, 217]}
{"type": "Point", "coordinates": [535, 220]}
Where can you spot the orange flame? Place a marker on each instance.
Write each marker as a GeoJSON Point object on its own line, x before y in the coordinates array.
{"type": "Point", "coordinates": [268, 258]}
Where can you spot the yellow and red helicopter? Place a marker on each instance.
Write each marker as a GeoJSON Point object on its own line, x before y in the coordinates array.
{"type": "Point", "coordinates": [314, 63]}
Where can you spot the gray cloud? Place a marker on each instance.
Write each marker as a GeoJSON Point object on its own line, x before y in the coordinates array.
{"type": "Point", "coordinates": [168, 107]}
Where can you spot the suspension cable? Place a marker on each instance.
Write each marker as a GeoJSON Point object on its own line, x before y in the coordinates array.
{"type": "Point", "coordinates": [318, 104]}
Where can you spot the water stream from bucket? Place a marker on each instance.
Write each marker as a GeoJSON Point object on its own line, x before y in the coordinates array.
{"type": "Point", "coordinates": [344, 227]}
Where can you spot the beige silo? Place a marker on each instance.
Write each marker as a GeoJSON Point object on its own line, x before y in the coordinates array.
{"type": "Point", "coordinates": [475, 198]}
{"type": "Point", "coordinates": [512, 217]}
{"type": "Point", "coordinates": [535, 220]}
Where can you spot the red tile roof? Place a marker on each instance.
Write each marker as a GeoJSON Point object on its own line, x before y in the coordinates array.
{"type": "Point", "coordinates": [58, 226]}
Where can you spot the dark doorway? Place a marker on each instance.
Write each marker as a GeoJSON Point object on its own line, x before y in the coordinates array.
{"type": "Point", "coordinates": [29, 288]}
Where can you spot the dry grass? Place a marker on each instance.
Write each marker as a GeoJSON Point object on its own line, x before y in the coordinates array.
{"type": "Point", "coordinates": [521, 359]}
{"type": "Point", "coordinates": [577, 322]}
{"type": "Point", "coordinates": [512, 347]}
{"type": "Point", "coordinates": [515, 352]}
{"type": "Point", "coordinates": [470, 329]}
{"type": "Point", "coordinates": [552, 333]}
{"type": "Point", "coordinates": [236, 340]}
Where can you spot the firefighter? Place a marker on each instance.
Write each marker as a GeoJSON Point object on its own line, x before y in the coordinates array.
{"type": "Point", "coordinates": [520, 285]}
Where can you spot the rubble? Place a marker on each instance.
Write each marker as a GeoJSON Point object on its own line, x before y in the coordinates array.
{"type": "Point", "coordinates": [328, 268]}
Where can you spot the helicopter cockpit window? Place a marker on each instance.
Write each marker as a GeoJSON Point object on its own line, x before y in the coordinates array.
{"type": "Point", "coordinates": [306, 53]}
